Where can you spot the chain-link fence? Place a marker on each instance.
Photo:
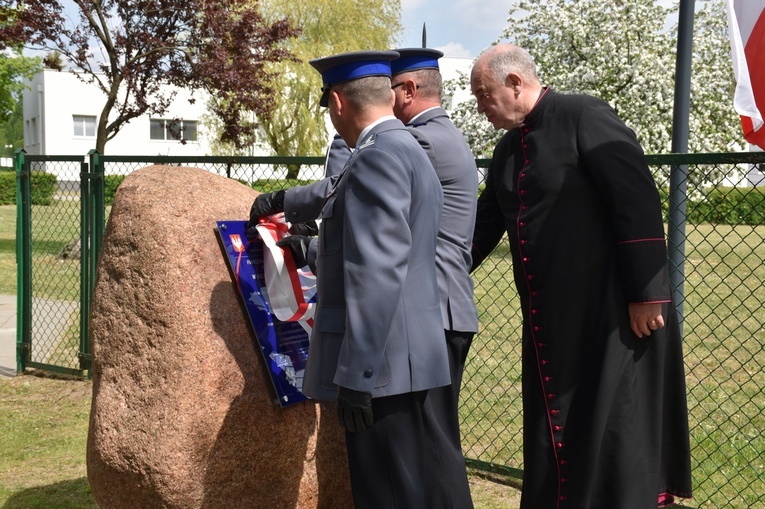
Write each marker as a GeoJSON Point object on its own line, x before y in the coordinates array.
{"type": "Point", "coordinates": [48, 228]}
{"type": "Point", "coordinates": [716, 232]}
{"type": "Point", "coordinates": [61, 211]}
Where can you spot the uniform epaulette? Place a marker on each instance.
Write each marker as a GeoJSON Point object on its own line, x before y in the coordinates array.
{"type": "Point", "coordinates": [370, 141]}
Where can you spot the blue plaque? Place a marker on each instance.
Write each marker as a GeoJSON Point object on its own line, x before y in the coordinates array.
{"type": "Point", "coordinates": [284, 345]}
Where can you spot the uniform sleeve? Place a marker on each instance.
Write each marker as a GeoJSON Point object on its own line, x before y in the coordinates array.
{"type": "Point", "coordinates": [304, 203]}
{"type": "Point", "coordinates": [424, 142]}
{"type": "Point", "coordinates": [611, 153]}
{"type": "Point", "coordinates": [337, 155]}
{"type": "Point", "coordinates": [377, 243]}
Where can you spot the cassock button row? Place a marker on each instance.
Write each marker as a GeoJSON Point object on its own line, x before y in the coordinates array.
{"type": "Point", "coordinates": [558, 428]}
{"type": "Point", "coordinates": [368, 373]}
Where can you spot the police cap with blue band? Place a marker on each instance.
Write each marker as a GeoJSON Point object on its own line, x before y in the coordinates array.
{"type": "Point", "coordinates": [351, 66]}
{"type": "Point", "coordinates": [414, 59]}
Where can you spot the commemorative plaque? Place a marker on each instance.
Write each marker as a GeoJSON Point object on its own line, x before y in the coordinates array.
{"type": "Point", "coordinates": [284, 344]}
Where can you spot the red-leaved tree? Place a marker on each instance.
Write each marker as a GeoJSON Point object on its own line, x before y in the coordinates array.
{"type": "Point", "coordinates": [131, 48]}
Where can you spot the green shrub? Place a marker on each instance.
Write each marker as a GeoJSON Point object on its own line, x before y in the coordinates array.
{"type": "Point", "coordinates": [111, 183]}
{"type": "Point", "coordinates": [730, 205]}
{"type": "Point", "coordinates": [722, 205]}
{"type": "Point", "coordinates": [43, 185]}
{"type": "Point", "coordinates": [7, 188]}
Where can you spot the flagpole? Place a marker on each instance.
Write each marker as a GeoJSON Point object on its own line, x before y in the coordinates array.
{"type": "Point", "coordinates": [678, 177]}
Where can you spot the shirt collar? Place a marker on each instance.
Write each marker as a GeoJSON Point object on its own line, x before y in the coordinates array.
{"type": "Point", "coordinates": [411, 120]}
{"type": "Point", "coordinates": [368, 128]}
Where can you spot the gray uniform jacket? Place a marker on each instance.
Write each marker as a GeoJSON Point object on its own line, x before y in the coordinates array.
{"type": "Point", "coordinates": [336, 157]}
{"type": "Point", "coordinates": [455, 166]}
{"type": "Point", "coordinates": [377, 326]}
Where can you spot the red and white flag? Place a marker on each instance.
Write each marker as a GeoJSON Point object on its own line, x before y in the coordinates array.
{"type": "Point", "coordinates": [746, 24]}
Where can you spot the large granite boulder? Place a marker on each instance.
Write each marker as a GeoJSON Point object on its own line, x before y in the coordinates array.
{"type": "Point", "coordinates": [183, 412]}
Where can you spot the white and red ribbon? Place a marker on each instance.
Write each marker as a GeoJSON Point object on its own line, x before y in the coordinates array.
{"type": "Point", "coordinates": [291, 290]}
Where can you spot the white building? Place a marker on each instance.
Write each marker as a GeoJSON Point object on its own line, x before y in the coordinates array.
{"type": "Point", "coordinates": [61, 111]}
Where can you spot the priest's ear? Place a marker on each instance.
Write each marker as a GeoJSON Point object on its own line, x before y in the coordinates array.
{"type": "Point", "coordinates": [514, 81]}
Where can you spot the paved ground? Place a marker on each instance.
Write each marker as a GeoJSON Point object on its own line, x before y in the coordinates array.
{"type": "Point", "coordinates": [50, 320]}
{"type": "Point", "coordinates": [7, 335]}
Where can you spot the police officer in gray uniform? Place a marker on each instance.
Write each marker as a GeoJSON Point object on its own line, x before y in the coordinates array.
{"type": "Point", "coordinates": [418, 90]}
{"type": "Point", "coordinates": [376, 344]}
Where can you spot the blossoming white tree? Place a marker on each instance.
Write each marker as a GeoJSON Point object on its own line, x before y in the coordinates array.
{"type": "Point", "coordinates": [624, 52]}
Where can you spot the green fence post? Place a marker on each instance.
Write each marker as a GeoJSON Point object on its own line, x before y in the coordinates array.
{"type": "Point", "coordinates": [85, 244]}
{"type": "Point", "coordinates": [23, 261]}
{"type": "Point", "coordinates": [99, 211]}
{"type": "Point", "coordinates": [92, 226]}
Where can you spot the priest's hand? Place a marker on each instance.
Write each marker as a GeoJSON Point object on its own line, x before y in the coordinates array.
{"type": "Point", "coordinates": [645, 317]}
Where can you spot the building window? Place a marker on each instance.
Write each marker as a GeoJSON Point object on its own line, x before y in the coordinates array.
{"type": "Point", "coordinates": [163, 129]}
{"type": "Point", "coordinates": [84, 125]}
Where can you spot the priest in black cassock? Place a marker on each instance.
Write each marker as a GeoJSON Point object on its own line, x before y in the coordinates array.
{"type": "Point", "coordinates": [605, 422]}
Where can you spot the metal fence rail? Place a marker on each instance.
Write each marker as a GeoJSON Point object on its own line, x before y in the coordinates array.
{"type": "Point", "coordinates": [716, 235]}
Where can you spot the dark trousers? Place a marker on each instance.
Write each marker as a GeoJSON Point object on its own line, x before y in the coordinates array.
{"type": "Point", "coordinates": [411, 458]}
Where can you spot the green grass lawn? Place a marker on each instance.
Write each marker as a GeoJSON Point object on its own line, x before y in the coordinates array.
{"type": "Point", "coordinates": [44, 420]}
{"type": "Point", "coordinates": [44, 425]}
{"type": "Point", "coordinates": [724, 334]}
{"type": "Point", "coordinates": [8, 249]}
{"type": "Point", "coordinates": [54, 227]}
